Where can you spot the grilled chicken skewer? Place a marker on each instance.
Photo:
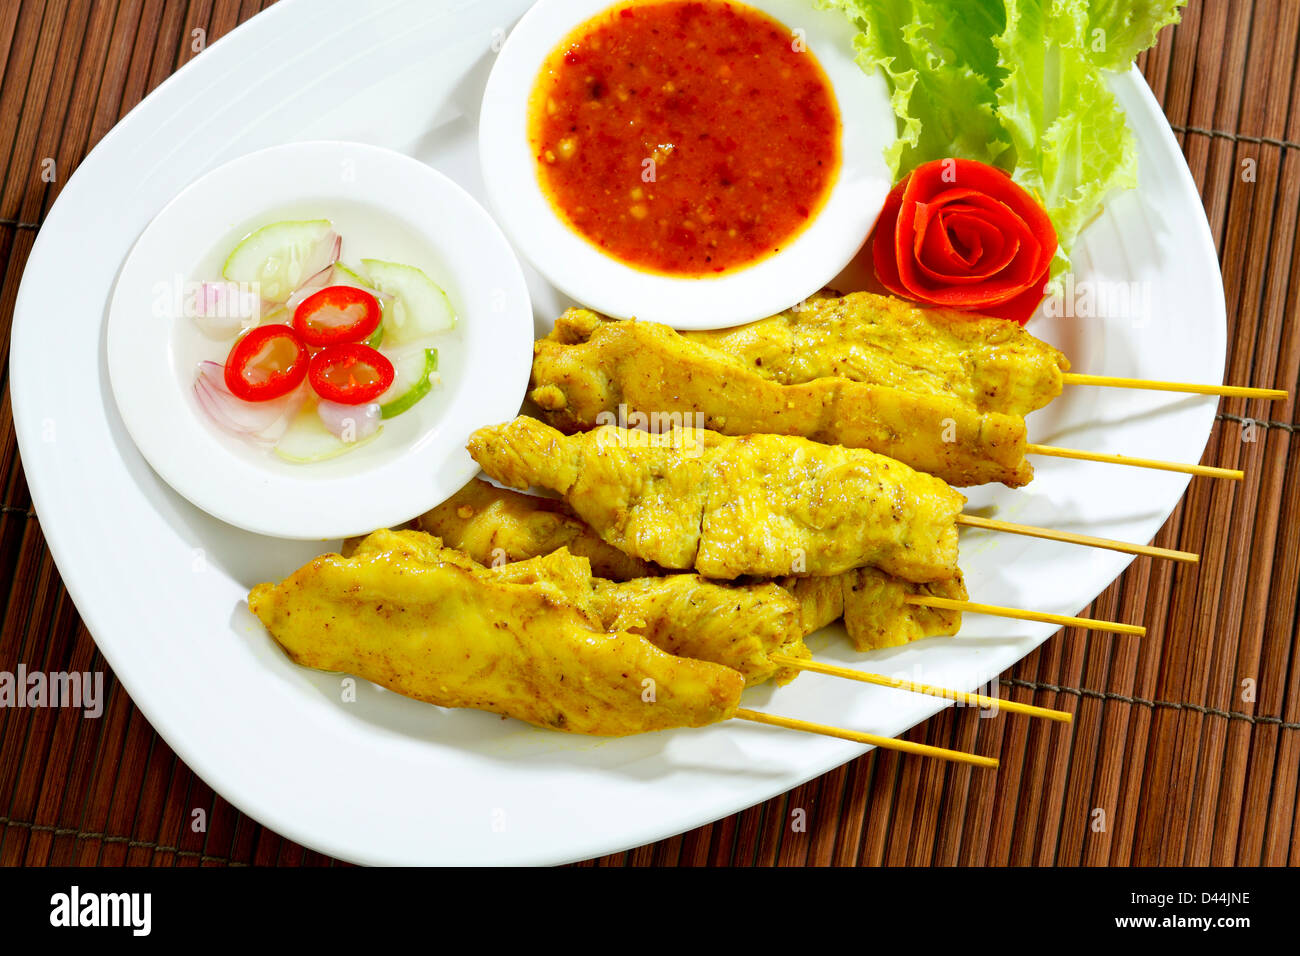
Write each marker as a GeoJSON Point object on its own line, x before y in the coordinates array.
{"type": "Point", "coordinates": [944, 392]}
{"type": "Point", "coordinates": [739, 625]}
{"type": "Point", "coordinates": [495, 525]}
{"type": "Point", "coordinates": [762, 505]}
{"type": "Point", "coordinates": [589, 371]}
{"type": "Point", "coordinates": [992, 364]}
{"type": "Point", "coordinates": [430, 624]}
{"type": "Point", "coordinates": [523, 641]}
{"type": "Point", "coordinates": [988, 364]}
{"type": "Point", "coordinates": [755, 628]}
{"type": "Point", "coordinates": [742, 626]}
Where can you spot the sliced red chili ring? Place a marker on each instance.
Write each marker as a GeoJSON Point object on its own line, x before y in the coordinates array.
{"type": "Point", "coordinates": [350, 374]}
{"type": "Point", "coordinates": [335, 315]}
{"type": "Point", "coordinates": [266, 363]}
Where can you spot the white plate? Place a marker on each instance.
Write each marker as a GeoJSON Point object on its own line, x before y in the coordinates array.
{"type": "Point", "coordinates": [579, 269]}
{"type": "Point", "coordinates": [386, 206]}
{"type": "Point", "coordinates": [388, 780]}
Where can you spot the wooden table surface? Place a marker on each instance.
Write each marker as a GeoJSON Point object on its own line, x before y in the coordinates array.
{"type": "Point", "coordinates": [1184, 748]}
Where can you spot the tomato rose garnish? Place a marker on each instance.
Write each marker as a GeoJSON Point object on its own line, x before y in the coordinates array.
{"type": "Point", "coordinates": [962, 235]}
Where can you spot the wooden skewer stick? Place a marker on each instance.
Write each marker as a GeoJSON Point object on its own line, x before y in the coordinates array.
{"type": "Point", "coordinates": [880, 680]}
{"type": "Point", "coordinates": [1150, 551]}
{"type": "Point", "coordinates": [1205, 471]}
{"type": "Point", "coordinates": [971, 607]}
{"type": "Point", "coordinates": [1232, 391]}
{"type": "Point", "coordinates": [884, 743]}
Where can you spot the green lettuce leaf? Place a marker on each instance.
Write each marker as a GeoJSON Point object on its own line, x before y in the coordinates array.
{"type": "Point", "coordinates": [1071, 143]}
{"type": "Point", "coordinates": [1020, 84]}
{"type": "Point", "coordinates": [940, 78]}
{"type": "Point", "coordinates": [1118, 30]}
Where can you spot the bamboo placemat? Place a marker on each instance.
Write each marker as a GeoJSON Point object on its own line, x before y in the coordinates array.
{"type": "Point", "coordinates": [1184, 748]}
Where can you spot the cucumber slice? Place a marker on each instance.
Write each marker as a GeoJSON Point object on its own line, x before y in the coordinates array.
{"type": "Point", "coordinates": [419, 305]}
{"type": "Point", "coordinates": [307, 439]}
{"type": "Point", "coordinates": [278, 257]}
{"type": "Point", "coordinates": [418, 381]}
{"type": "Point", "coordinates": [342, 275]}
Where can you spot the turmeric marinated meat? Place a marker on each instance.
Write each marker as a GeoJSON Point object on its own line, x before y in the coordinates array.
{"type": "Point", "coordinates": [874, 608]}
{"type": "Point", "coordinates": [739, 625]}
{"type": "Point", "coordinates": [870, 602]}
{"type": "Point", "coordinates": [493, 524]}
{"type": "Point", "coordinates": [429, 623]}
{"type": "Point", "coordinates": [764, 505]}
{"type": "Point", "coordinates": [990, 364]}
{"type": "Point", "coordinates": [591, 371]}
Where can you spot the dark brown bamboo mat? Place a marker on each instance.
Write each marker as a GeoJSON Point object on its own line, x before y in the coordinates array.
{"type": "Point", "coordinates": [1186, 745]}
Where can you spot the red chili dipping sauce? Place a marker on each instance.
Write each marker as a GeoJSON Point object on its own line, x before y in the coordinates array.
{"type": "Point", "coordinates": [686, 138]}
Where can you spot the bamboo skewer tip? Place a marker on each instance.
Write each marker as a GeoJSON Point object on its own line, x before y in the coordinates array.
{"type": "Point", "coordinates": [1069, 537]}
{"type": "Point", "coordinates": [896, 683]}
{"type": "Point", "coordinates": [875, 740]}
{"type": "Point", "coordinates": [1190, 388]}
{"type": "Point", "coordinates": [1015, 613]}
{"type": "Point", "coordinates": [1075, 454]}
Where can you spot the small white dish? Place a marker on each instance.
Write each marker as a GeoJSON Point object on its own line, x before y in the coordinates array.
{"type": "Point", "coordinates": [579, 269]}
{"type": "Point", "coordinates": [385, 205]}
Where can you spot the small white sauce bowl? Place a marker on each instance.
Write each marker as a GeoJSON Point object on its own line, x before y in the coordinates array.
{"type": "Point", "coordinates": [584, 272]}
{"type": "Point", "coordinates": [396, 208]}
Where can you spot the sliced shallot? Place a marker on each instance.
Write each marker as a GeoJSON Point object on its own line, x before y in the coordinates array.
{"type": "Point", "coordinates": [222, 309]}
{"type": "Point", "coordinates": [260, 421]}
{"type": "Point", "coordinates": [349, 423]}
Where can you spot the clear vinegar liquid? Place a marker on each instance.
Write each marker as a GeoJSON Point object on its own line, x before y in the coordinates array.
{"type": "Point", "coordinates": [367, 234]}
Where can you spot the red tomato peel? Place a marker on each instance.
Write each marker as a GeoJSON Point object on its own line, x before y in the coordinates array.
{"type": "Point", "coordinates": [962, 235]}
